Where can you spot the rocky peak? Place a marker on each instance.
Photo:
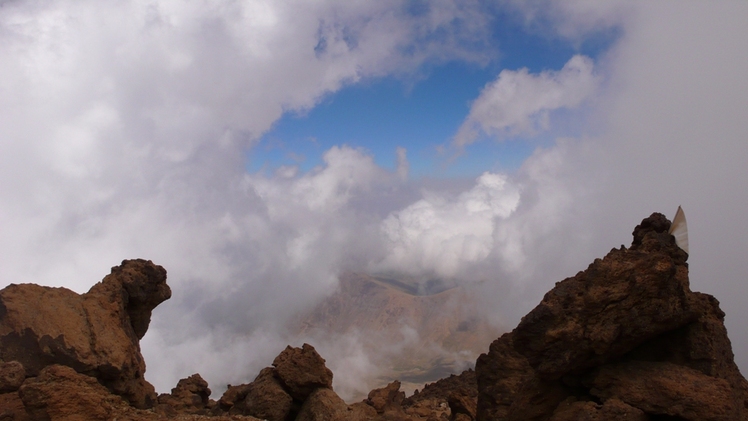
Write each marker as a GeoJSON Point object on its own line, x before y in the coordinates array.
{"type": "Point", "coordinates": [624, 339]}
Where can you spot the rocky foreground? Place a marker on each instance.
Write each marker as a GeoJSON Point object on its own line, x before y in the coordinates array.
{"type": "Point", "coordinates": [624, 340]}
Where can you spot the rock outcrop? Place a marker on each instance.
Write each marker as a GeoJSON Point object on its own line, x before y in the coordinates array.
{"type": "Point", "coordinates": [297, 387]}
{"type": "Point", "coordinates": [96, 333]}
{"type": "Point", "coordinates": [191, 396]}
{"type": "Point", "coordinates": [59, 393]}
{"type": "Point", "coordinates": [625, 339]}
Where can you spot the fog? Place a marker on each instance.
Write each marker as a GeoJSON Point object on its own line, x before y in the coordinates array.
{"type": "Point", "coordinates": [125, 129]}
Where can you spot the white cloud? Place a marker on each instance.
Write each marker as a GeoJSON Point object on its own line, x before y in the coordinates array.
{"type": "Point", "coordinates": [518, 102]}
{"type": "Point", "coordinates": [138, 115]}
{"type": "Point", "coordinates": [440, 235]}
{"type": "Point", "coordinates": [577, 20]}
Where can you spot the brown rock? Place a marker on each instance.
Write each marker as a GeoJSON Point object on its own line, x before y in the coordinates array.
{"type": "Point", "coordinates": [611, 410]}
{"type": "Point", "coordinates": [233, 396]}
{"type": "Point", "coordinates": [12, 374]}
{"type": "Point", "coordinates": [667, 389]}
{"type": "Point", "coordinates": [266, 398]}
{"type": "Point", "coordinates": [461, 403]}
{"type": "Point", "coordinates": [628, 332]}
{"type": "Point", "coordinates": [537, 399]}
{"type": "Point", "coordinates": [619, 302]}
{"type": "Point", "coordinates": [96, 333]}
{"type": "Point", "coordinates": [388, 398]}
{"type": "Point", "coordinates": [11, 408]}
{"type": "Point", "coordinates": [301, 371]}
{"type": "Point", "coordinates": [465, 383]}
{"type": "Point", "coordinates": [324, 405]}
{"type": "Point", "coordinates": [572, 410]}
{"type": "Point", "coordinates": [191, 396]}
{"type": "Point", "coordinates": [501, 375]}
{"type": "Point", "coordinates": [614, 409]}
{"type": "Point", "coordinates": [60, 393]}
{"type": "Point", "coordinates": [361, 411]}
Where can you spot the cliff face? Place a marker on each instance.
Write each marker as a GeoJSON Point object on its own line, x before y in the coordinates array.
{"type": "Point", "coordinates": [625, 339]}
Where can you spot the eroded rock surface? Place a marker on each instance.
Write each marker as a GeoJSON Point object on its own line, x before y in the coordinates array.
{"type": "Point", "coordinates": [624, 339]}
{"type": "Point", "coordinates": [282, 392]}
{"type": "Point", "coordinates": [191, 396]}
{"type": "Point", "coordinates": [96, 333]}
{"type": "Point", "coordinates": [60, 393]}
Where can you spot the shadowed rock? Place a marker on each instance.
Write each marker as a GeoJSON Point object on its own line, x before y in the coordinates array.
{"type": "Point", "coordinates": [191, 396]}
{"type": "Point", "coordinates": [301, 371]}
{"type": "Point", "coordinates": [624, 339]}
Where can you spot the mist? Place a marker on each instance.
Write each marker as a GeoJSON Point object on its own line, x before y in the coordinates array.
{"type": "Point", "coordinates": [125, 130]}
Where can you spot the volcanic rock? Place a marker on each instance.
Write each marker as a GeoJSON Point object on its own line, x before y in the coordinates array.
{"type": "Point", "coordinates": [12, 374]}
{"type": "Point", "coordinates": [323, 405]}
{"type": "Point", "coordinates": [191, 396]}
{"type": "Point", "coordinates": [11, 408]}
{"type": "Point", "coordinates": [280, 392]}
{"type": "Point", "coordinates": [266, 398]}
{"type": "Point", "coordinates": [386, 399]}
{"type": "Point", "coordinates": [96, 333]}
{"type": "Point", "coordinates": [624, 339]}
{"type": "Point", "coordinates": [301, 371]}
{"type": "Point", "coordinates": [59, 393]}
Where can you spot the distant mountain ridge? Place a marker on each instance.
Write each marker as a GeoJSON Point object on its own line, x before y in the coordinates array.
{"type": "Point", "coordinates": [432, 325]}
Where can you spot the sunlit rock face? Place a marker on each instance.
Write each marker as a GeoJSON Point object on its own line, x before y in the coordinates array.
{"type": "Point", "coordinates": [96, 333]}
{"type": "Point", "coordinates": [624, 339]}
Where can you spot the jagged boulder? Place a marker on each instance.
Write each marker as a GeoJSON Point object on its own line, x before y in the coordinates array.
{"type": "Point", "coordinates": [323, 405]}
{"type": "Point", "coordinates": [96, 333]}
{"type": "Point", "coordinates": [624, 339]}
{"type": "Point", "coordinates": [301, 371]}
{"type": "Point", "coordinates": [191, 396]}
{"type": "Point", "coordinates": [266, 398]}
{"type": "Point", "coordinates": [280, 392]}
{"type": "Point", "coordinates": [387, 399]}
{"type": "Point", "coordinates": [454, 397]}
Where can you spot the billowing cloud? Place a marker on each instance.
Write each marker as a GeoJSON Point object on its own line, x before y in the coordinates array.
{"type": "Point", "coordinates": [518, 102]}
{"type": "Point", "coordinates": [438, 234]}
{"type": "Point", "coordinates": [123, 121]}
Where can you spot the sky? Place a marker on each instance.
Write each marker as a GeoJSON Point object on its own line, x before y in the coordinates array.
{"type": "Point", "coordinates": [258, 149]}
